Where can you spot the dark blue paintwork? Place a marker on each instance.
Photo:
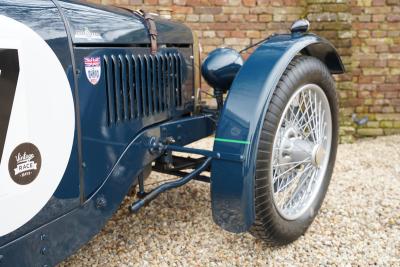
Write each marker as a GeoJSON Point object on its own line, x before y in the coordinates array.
{"type": "Point", "coordinates": [102, 144]}
{"type": "Point", "coordinates": [117, 26]}
{"type": "Point", "coordinates": [232, 183]}
{"type": "Point", "coordinates": [220, 67]}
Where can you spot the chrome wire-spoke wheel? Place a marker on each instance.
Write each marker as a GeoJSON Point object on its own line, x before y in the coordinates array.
{"type": "Point", "coordinates": [301, 150]}
{"type": "Point", "coordinates": [296, 151]}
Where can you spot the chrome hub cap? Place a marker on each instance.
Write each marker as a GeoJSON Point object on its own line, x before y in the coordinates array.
{"type": "Point", "coordinates": [301, 151]}
{"type": "Point", "coordinates": [318, 155]}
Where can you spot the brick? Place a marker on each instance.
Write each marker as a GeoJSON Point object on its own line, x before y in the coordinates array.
{"type": "Point", "coordinates": [251, 18]}
{"type": "Point", "coordinates": [389, 95]}
{"type": "Point", "coordinates": [234, 2]}
{"type": "Point", "coordinates": [378, 2]}
{"type": "Point", "coordinates": [382, 48]}
{"type": "Point", "coordinates": [208, 10]}
{"type": "Point", "coordinates": [235, 10]}
{"type": "Point", "coordinates": [237, 41]}
{"type": "Point", "coordinates": [375, 71]}
{"type": "Point", "coordinates": [395, 71]}
{"type": "Point", "coordinates": [260, 10]}
{"type": "Point", "coordinates": [133, 2]}
{"type": "Point", "coordinates": [378, 17]}
{"type": "Point", "coordinates": [391, 131]}
{"type": "Point", "coordinates": [180, 2]}
{"type": "Point", "coordinates": [388, 109]}
{"type": "Point", "coordinates": [206, 18]}
{"type": "Point", "coordinates": [394, 33]}
{"type": "Point", "coordinates": [179, 17]}
{"type": "Point", "coordinates": [379, 34]}
{"type": "Point", "coordinates": [238, 34]}
{"type": "Point", "coordinates": [192, 17]}
{"type": "Point", "coordinates": [394, 49]}
{"type": "Point", "coordinates": [218, 2]}
{"type": "Point", "coordinates": [346, 130]}
{"type": "Point", "coordinates": [377, 10]}
{"type": "Point", "coordinates": [373, 124]}
{"type": "Point", "coordinates": [209, 34]}
{"type": "Point", "coordinates": [224, 26]}
{"type": "Point", "coordinates": [291, 2]}
{"type": "Point", "coordinates": [344, 34]}
{"type": "Point", "coordinates": [223, 33]}
{"type": "Point", "coordinates": [249, 2]}
{"type": "Point", "coordinates": [380, 63]}
{"type": "Point", "coordinates": [365, 26]}
{"type": "Point", "coordinates": [393, 18]}
{"type": "Point", "coordinates": [370, 131]}
{"type": "Point", "coordinates": [253, 34]}
{"type": "Point", "coordinates": [236, 18]}
{"type": "Point", "coordinates": [393, 2]}
{"type": "Point", "coordinates": [221, 18]}
{"type": "Point", "coordinates": [342, 16]}
{"type": "Point", "coordinates": [265, 18]}
{"type": "Point", "coordinates": [394, 63]}
{"type": "Point", "coordinates": [181, 9]}
{"type": "Point", "coordinates": [388, 116]}
{"type": "Point", "coordinates": [211, 41]}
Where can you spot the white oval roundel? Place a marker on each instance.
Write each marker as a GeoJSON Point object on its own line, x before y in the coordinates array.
{"type": "Point", "coordinates": [40, 132]}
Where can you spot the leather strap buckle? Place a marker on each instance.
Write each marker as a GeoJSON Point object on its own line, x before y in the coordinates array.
{"type": "Point", "coordinates": [151, 28]}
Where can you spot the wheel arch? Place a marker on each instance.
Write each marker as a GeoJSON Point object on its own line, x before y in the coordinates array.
{"type": "Point", "coordinates": [239, 127]}
{"type": "Point", "coordinates": [327, 53]}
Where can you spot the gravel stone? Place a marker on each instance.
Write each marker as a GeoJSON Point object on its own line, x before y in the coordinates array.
{"type": "Point", "coordinates": [358, 224]}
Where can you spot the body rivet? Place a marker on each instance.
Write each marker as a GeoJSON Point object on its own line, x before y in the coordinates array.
{"type": "Point", "coordinates": [101, 202]}
{"type": "Point", "coordinates": [43, 251]}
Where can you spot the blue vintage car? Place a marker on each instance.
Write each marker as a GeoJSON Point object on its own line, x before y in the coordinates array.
{"type": "Point", "coordinates": [94, 98]}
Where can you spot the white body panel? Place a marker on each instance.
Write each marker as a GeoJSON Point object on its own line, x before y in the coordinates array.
{"type": "Point", "coordinates": [42, 114]}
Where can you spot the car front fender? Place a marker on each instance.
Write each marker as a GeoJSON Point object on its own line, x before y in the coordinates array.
{"type": "Point", "coordinates": [232, 183]}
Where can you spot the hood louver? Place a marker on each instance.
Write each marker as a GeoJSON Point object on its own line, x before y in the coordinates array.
{"type": "Point", "coordinates": [139, 86]}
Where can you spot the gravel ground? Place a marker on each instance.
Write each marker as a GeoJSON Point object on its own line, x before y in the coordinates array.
{"type": "Point", "coordinates": [359, 223]}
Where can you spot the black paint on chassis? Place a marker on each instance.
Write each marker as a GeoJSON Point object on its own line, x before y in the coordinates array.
{"type": "Point", "coordinates": [9, 71]}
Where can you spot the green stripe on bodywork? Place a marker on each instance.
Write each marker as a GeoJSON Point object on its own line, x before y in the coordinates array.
{"type": "Point", "coordinates": [232, 141]}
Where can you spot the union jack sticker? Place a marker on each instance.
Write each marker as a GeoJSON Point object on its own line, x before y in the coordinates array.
{"type": "Point", "coordinates": [93, 69]}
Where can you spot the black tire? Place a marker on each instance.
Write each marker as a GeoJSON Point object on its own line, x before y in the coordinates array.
{"type": "Point", "coordinates": [269, 225]}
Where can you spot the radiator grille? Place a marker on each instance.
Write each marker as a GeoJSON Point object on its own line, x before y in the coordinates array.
{"type": "Point", "coordinates": [139, 86]}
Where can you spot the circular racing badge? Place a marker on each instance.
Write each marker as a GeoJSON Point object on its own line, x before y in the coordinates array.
{"type": "Point", "coordinates": [25, 163]}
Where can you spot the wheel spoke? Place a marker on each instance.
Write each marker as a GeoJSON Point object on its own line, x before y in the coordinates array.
{"type": "Point", "coordinates": [310, 175]}
{"type": "Point", "coordinates": [291, 168]}
{"type": "Point", "coordinates": [294, 179]}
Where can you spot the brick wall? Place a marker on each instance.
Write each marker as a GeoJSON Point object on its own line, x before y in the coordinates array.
{"type": "Point", "coordinates": [376, 65]}
{"type": "Point", "coordinates": [333, 20]}
{"type": "Point", "coordinates": [366, 33]}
